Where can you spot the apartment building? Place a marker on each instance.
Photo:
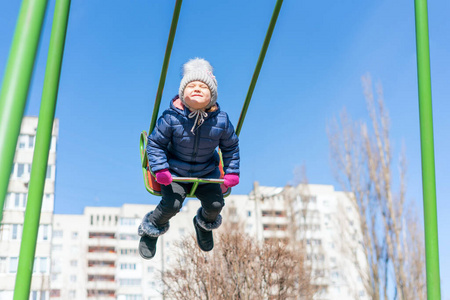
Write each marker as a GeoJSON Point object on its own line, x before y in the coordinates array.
{"type": "Point", "coordinates": [94, 255]}
{"type": "Point", "coordinates": [323, 219]}
{"type": "Point", "coordinates": [14, 211]}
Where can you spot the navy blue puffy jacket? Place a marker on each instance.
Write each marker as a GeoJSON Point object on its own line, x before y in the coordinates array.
{"type": "Point", "coordinates": [172, 146]}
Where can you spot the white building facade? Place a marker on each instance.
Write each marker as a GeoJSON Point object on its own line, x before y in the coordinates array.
{"type": "Point", "coordinates": [94, 255]}
{"type": "Point", "coordinates": [14, 211]}
{"type": "Point", "coordinates": [323, 219]}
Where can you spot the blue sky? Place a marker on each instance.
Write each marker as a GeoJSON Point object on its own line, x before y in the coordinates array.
{"type": "Point", "coordinates": [313, 68]}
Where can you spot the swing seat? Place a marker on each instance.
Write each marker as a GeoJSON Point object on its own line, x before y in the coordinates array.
{"type": "Point", "coordinates": [154, 188]}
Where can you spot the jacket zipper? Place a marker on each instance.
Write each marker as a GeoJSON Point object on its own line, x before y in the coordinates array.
{"type": "Point", "coordinates": [194, 155]}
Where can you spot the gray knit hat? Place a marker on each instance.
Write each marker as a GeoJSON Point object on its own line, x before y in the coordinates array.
{"type": "Point", "coordinates": [198, 69]}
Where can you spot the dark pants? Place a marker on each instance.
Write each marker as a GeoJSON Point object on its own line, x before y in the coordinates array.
{"type": "Point", "coordinates": [173, 195]}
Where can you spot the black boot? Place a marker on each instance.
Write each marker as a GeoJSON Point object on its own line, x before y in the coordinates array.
{"type": "Point", "coordinates": [147, 246]}
{"type": "Point", "coordinates": [204, 238]}
{"type": "Point", "coordinates": [149, 236]}
{"type": "Point", "coordinates": [204, 229]}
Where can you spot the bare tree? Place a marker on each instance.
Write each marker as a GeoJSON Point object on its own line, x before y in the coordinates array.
{"type": "Point", "coordinates": [363, 164]}
{"type": "Point", "coordinates": [238, 268]}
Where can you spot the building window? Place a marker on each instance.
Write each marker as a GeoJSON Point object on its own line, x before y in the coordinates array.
{"type": "Point", "coordinates": [73, 278]}
{"type": "Point", "coordinates": [57, 233]}
{"type": "Point", "coordinates": [129, 281]}
{"type": "Point", "coordinates": [14, 232]}
{"type": "Point", "coordinates": [2, 265]}
{"type": "Point", "coordinates": [56, 267]}
{"type": "Point", "coordinates": [101, 293]}
{"type": "Point", "coordinates": [128, 251]}
{"type": "Point", "coordinates": [73, 263]}
{"type": "Point", "coordinates": [128, 266]}
{"type": "Point", "coordinates": [127, 221]}
{"type": "Point", "coordinates": [43, 233]}
{"type": "Point", "coordinates": [40, 265]}
{"type": "Point", "coordinates": [128, 236]}
{"type": "Point", "coordinates": [101, 278]}
{"type": "Point", "coordinates": [13, 261]}
{"type": "Point", "coordinates": [55, 293]}
{"type": "Point", "coordinates": [101, 235]}
{"type": "Point", "coordinates": [31, 141]}
{"type": "Point", "coordinates": [72, 294]}
{"type": "Point", "coordinates": [43, 265]}
{"type": "Point", "coordinates": [54, 276]}
{"type": "Point", "coordinates": [43, 295]}
{"type": "Point", "coordinates": [23, 171]}
{"type": "Point", "coordinates": [8, 200]}
{"type": "Point", "coordinates": [49, 174]}
{"type": "Point", "coordinates": [20, 170]}
{"type": "Point", "coordinates": [57, 247]}
{"type": "Point", "coordinates": [101, 263]}
{"type": "Point", "coordinates": [20, 200]}
{"type": "Point", "coordinates": [22, 141]}
{"type": "Point", "coordinates": [74, 235]}
{"type": "Point", "coordinates": [103, 249]}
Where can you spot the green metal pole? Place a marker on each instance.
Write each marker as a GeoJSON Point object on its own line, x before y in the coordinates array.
{"type": "Point", "coordinates": [41, 152]}
{"type": "Point", "coordinates": [427, 146]}
{"type": "Point", "coordinates": [262, 54]}
{"type": "Point", "coordinates": [162, 79]}
{"type": "Point", "coordinates": [14, 91]}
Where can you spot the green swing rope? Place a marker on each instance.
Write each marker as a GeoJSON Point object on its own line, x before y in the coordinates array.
{"type": "Point", "coordinates": [162, 79]}
{"type": "Point", "coordinates": [262, 54]}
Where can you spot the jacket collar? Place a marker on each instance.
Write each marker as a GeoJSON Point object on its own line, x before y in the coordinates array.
{"type": "Point", "coordinates": [180, 108]}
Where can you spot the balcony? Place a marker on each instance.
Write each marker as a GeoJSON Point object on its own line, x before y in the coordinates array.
{"type": "Point", "coordinates": [101, 282]}
{"type": "Point", "coordinates": [98, 253]}
{"type": "Point", "coordinates": [103, 267]}
{"type": "Point", "coordinates": [101, 293]}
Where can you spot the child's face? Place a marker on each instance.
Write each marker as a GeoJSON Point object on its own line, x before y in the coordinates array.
{"type": "Point", "coordinates": [197, 95]}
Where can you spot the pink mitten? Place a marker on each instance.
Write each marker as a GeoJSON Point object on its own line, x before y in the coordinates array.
{"type": "Point", "coordinates": [231, 180]}
{"type": "Point", "coordinates": [164, 177]}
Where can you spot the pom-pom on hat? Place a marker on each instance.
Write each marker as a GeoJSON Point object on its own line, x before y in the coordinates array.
{"type": "Point", "coordinates": [198, 69]}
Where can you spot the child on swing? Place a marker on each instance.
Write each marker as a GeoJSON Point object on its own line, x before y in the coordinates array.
{"type": "Point", "coordinates": [184, 144]}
